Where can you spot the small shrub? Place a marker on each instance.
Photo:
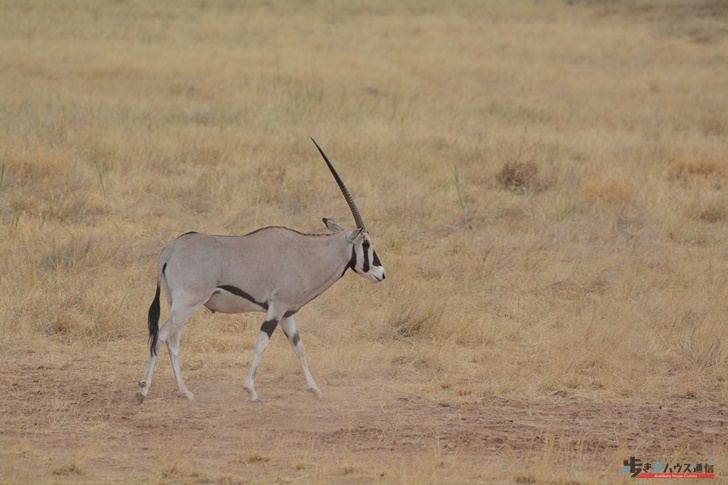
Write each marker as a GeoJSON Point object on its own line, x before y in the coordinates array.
{"type": "Point", "coordinates": [519, 176]}
{"type": "Point", "coordinates": [68, 470]}
{"type": "Point", "coordinates": [250, 459]}
{"type": "Point", "coordinates": [713, 213]}
{"type": "Point", "coordinates": [257, 458]}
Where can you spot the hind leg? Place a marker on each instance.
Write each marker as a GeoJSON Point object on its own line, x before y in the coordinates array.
{"type": "Point", "coordinates": [173, 349]}
{"type": "Point", "coordinates": [169, 334]}
{"type": "Point", "coordinates": [146, 381]}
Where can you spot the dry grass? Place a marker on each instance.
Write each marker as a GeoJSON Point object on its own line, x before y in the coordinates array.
{"type": "Point", "coordinates": [690, 164]}
{"type": "Point", "coordinates": [542, 333]}
{"type": "Point", "coordinates": [611, 190]}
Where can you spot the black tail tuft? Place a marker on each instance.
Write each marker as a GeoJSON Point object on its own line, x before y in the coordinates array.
{"type": "Point", "coordinates": [154, 323]}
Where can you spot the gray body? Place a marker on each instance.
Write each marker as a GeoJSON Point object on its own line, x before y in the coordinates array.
{"type": "Point", "coordinates": [286, 281]}
{"type": "Point", "coordinates": [274, 270]}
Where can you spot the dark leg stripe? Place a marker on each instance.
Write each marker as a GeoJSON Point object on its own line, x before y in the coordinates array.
{"type": "Point", "coordinates": [269, 326]}
{"type": "Point", "coordinates": [237, 291]}
{"type": "Point", "coordinates": [293, 338]}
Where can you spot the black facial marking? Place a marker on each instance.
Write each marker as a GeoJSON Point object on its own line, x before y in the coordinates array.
{"type": "Point", "coordinates": [352, 261]}
{"type": "Point", "coordinates": [269, 326]}
{"type": "Point", "coordinates": [237, 291]}
{"type": "Point", "coordinates": [365, 248]}
{"type": "Point", "coordinates": [376, 259]}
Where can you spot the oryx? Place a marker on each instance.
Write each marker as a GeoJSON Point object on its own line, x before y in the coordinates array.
{"type": "Point", "coordinates": [274, 270]}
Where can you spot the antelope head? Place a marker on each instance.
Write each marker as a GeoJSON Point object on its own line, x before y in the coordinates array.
{"type": "Point", "coordinates": [364, 260]}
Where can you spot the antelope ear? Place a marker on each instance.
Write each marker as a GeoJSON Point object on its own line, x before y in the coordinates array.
{"type": "Point", "coordinates": [356, 235]}
{"type": "Point", "coordinates": [332, 226]}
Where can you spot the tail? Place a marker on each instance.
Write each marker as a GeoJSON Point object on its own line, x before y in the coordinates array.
{"type": "Point", "coordinates": [154, 323]}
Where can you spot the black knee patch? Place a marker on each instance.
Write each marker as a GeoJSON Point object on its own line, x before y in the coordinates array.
{"type": "Point", "coordinates": [295, 339]}
{"type": "Point", "coordinates": [269, 326]}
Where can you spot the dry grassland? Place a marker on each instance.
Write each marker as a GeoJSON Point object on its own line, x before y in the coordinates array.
{"type": "Point", "coordinates": [546, 184]}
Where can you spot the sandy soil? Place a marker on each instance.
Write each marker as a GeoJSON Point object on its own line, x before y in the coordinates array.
{"type": "Point", "coordinates": [59, 427]}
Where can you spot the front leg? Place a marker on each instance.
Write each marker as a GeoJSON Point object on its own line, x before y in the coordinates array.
{"type": "Point", "coordinates": [289, 328]}
{"type": "Point", "coordinates": [266, 330]}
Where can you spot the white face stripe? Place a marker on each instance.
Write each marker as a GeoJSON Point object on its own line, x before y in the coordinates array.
{"type": "Point", "coordinates": [367, 262]}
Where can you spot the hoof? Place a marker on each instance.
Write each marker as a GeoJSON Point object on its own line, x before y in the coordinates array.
{"type": "Point", "coordinates": [186, 395]}
{"type": "Point", "coordinates": [252, 394]}
{"type": "Point", "coordinates": [140, 397]}
{"type": "Point", "coordinates": [316, 392]}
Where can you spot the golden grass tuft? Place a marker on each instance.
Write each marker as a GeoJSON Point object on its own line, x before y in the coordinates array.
{"type": "Point", "coordinates": [40, 163]}
{"type": "Point", "coordinates": [608, 189]}
{"type": "Point", "coordinates": [699, 181]}
{"type": "Point", "coordinates": [687, 165]}
{"type": "Point", "coordinates": [418, 319]}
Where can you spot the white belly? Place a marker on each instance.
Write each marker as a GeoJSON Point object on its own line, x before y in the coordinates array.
{"type": "Point", "coordinates": [225, 302]}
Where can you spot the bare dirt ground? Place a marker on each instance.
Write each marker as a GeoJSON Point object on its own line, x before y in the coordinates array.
{"type": "Point", "coordinates": [58, 426]}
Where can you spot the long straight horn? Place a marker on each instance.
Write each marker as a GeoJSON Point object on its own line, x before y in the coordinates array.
{"type": "Point", "coordinates": [344, 190]}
